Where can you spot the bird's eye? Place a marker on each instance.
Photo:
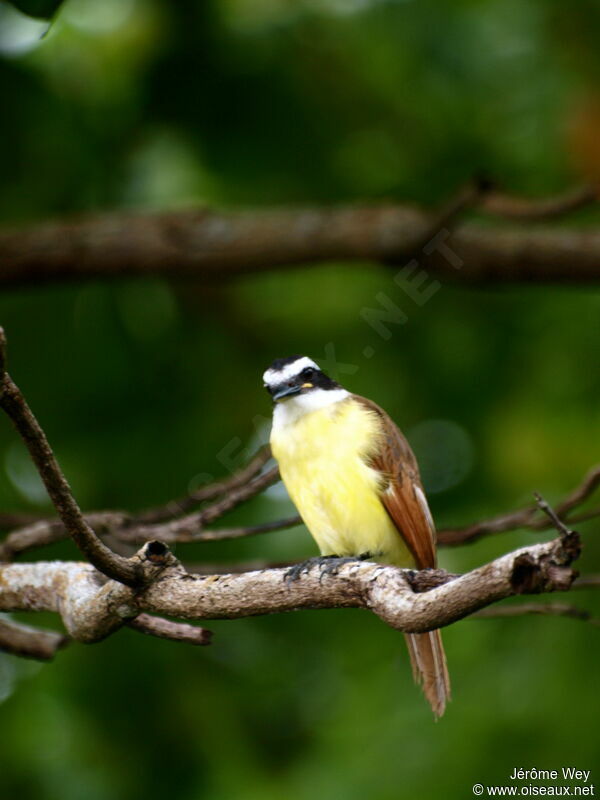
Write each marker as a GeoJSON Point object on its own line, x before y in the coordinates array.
{"type": "Point", "coordinates": [309, 372]}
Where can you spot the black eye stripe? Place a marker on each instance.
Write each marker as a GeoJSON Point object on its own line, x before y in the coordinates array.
{"type": "Point", "coordinates": [310, 374]}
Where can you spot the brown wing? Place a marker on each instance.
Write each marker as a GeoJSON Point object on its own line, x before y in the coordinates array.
{"type": "Point", "coordinates": [403, 495]}
{"type": "Point", "coordinates": [405, 502]}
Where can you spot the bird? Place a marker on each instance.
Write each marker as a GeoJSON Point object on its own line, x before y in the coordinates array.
{"type": "Point", "coordinates": [355, 482]}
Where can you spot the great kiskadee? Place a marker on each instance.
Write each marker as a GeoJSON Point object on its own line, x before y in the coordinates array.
{"type": "Point", "coordinates": [355, 482]}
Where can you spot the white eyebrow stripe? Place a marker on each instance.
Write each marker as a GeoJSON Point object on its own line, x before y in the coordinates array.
{"type": "Point", "coordinates": [275, 376]}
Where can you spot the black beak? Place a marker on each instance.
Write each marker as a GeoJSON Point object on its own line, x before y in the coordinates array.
{"type": "Point", "coordinates": [285, 391]}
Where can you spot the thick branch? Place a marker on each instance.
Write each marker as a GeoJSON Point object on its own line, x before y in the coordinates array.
{"type": "Point", "coordinates": [209, 245]}
{"type": "Point", "coordinates": [91, 609]}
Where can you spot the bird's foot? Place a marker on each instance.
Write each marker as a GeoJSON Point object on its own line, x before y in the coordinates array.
{"type": "Point", "coordinates": [368, 556]}
{"type": "Point", "coordinates": [328, 565]}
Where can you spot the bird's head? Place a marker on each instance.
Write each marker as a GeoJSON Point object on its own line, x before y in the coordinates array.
{"type": "Point", "coordinates": [296, 375]}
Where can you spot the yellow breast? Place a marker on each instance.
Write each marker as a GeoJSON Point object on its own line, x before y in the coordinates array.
{"type": "Point", "coordinates": [323, 459]}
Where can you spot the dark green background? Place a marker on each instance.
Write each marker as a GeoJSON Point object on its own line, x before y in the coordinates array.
{"type": "Point", "coordinates": [146, 388]}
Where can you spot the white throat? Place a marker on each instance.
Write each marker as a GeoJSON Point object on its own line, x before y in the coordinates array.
{"type": "Point", "coordinates": [291, 410]}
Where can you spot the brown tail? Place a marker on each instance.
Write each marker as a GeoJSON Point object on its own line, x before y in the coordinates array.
{"type": "Point", "coordinates": [429, 668]}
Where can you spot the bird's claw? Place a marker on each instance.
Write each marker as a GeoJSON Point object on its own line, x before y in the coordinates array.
{"type": "Point", "coordinates": [295, 573]}
{"type": "Point", "coordinates": [328, 565]}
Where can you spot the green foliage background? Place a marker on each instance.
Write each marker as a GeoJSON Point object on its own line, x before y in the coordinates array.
{"type": "Point", "coordinates": [146, 388]}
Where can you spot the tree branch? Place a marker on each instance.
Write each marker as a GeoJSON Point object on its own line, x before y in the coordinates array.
{"type": "Point", "coordinates": [130, 529]}
{"type": "Point", "coordinates": [210, 245]}
{"type": "Point", "coordinates": [9, 520]}
{"type": "Point", "coordinates": [153, 584]}
{"type": "Point", "coordinates": [526, 210]}
{"type": "Point", "coordinates": [528, 517]}
{"type": "Point", "coordinates": [587, 582]}
{"type": "Point", "coordinates": [552, 609]}
{"type": "Point", "coordinates": [22, 640]}
{"type": "Point", "coordinates": [588, 486]}
{"type": "Point", "coordinates": [91, 609]}
{"type": "Point", "coordinates": [14, 405]}
{"type": "Point", "coordinates": [211, 491]}
{"type": "Point", "coordinates": [218, 534]}
{"type": "Point", "coordinates": [136, 528]}
{"type": "Point", "coordinates": [49, 531]}
{"type": "Point", "coordinates": [167, 629]}
{"type": "Point", "coordinates": [191, 527]}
